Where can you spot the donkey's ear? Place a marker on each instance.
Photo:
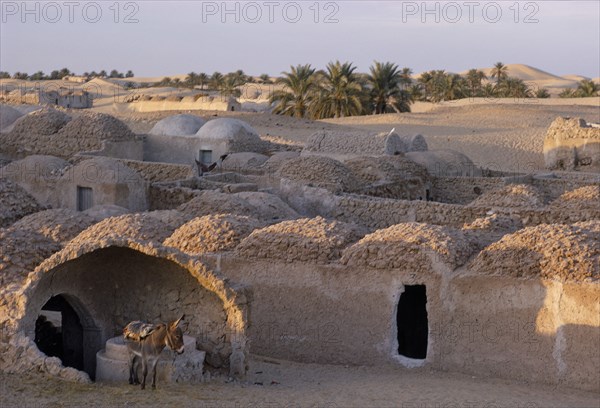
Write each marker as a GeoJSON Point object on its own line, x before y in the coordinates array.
{"type": "Point", "coordinates": [176, 322]}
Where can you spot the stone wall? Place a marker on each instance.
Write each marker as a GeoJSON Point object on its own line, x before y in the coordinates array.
{"type": "Point", "coordinates": [462, 190]}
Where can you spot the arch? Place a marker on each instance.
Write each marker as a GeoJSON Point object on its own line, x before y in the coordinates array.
{"type": "Point", "coordinates": [232, 299]}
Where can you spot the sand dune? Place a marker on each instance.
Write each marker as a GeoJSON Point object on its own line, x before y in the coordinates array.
{"type": "Point", "coordinates": [574, 77]}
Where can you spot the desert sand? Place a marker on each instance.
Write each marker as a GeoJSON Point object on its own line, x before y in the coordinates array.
{"type": "Point", "coordinates": [275, 383]}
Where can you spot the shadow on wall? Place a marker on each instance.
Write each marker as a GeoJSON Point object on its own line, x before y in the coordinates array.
{"type": "Point", "coordinates": [578, 155]}
{"type": "Point", "coordinates": [103, 290]}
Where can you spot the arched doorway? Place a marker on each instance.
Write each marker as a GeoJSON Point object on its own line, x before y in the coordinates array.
{"type": "Point", "coordinates": [64, 329]}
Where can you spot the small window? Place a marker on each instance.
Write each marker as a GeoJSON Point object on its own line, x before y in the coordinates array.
{"type": "Point", "coordinates": [206, 156]}
{"type": "Point", "coordinates": [85, 198]}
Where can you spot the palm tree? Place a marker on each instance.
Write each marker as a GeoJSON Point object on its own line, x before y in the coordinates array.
{"type": "Point", "coordinates": [587, 88]}
{"type": "Point", "coordinates": [230, 87]}
{"type": "Point", "coordinates": [216, 80]}
{"type": "Point", "coordinates": [474, 80]}
{"type": "Point", "coordinates": [453, 87]}
{"type": "Point", "coordinates": [386, 93]}
{"type": "Point", "coordinates": [298, 92]}
{"type": "Point", "coordinates": [265, 78]}
{"type": "Point", "coordinates": [202, 79]}
{"type": "Point", "coordinates": [500, 72]}
{"type": "Point", "coordinates": [191, 79]}
{"type": "Point", "coordinates": [513, 88]}
{"type": "Point", "coordinates": [340, 92]}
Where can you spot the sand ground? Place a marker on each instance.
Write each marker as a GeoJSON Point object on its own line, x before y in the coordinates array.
{"type": "Point", "coordinates": [276, 383]}
{"type": "Point", "coordinates": [501, 136]}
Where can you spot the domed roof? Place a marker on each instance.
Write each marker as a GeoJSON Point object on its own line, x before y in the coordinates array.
{"type": "Point", "coordinates": [15, 202]}
{"type": "Point", "coordinates": [45, 121]}
{"type": "Point", "coordinates": [178, 125]}
{"type": "Point", "coordinates": [405, 245]}
{"type": "Point", "coordinates": [97, 126]}
{"type": "Point", "coordinates": [510, 196]}
{"type": "Point", "coordinates": [305, 240]}
{"type": "Point", "coordinates": [227, 128]}
{"type": "Point", "coordinates": [371, 170]}
{"type": "Point", "coordinates": [20, 252]}
{"type": "Point", "coordinates": [8, 116]}
{"type": "Point", "coordinates": [319, 171]}
{"type": "Point", "coordinates": [212, 233]}
{"type": "Point", "coordinates": [264, 206]}
{"type": "Point", "coordinates": [137, 227]}
{"type": "Point", "coordinates": [552, 251]}
{"type": "Point", "coordinates": [583, 198]}
{"type": "Point", "coordinates": [60, 225]}
{"type": "Point", "coordinates": [444, 163]}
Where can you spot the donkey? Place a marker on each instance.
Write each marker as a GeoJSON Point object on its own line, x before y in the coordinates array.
{"type": "Point", "coordinates": [207, 168]}
{"type": "Point", "coordinates": [147, 341]}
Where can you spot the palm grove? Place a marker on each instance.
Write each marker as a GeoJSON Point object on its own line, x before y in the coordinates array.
{"type": "Point", "coordinates": [339, 91]}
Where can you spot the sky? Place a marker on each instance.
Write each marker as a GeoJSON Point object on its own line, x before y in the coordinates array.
{"type": "Point", "coordinates": [154, 38]}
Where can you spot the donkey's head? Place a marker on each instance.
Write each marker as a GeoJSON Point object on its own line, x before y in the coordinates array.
{"type": "Point", "coordinates": [175, 336]}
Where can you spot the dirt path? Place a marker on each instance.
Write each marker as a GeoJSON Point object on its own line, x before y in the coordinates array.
{"type": "Point", "coordinates": [300, 385]}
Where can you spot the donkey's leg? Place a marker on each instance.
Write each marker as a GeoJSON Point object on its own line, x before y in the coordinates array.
{"type": "Point", "coordinates": [131, 367]}
{"type": "Point", "coordinates": [154, 363]}
{"type": "Point", "coordinates": [144, 370]}
{"type": "Point", "coordinates": [136, 366]}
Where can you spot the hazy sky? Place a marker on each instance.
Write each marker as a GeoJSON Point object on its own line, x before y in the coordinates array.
{"type": "Point", "coordinates": [166, 38]}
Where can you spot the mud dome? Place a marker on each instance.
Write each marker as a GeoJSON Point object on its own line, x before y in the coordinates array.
{"type": "Point", "coordinates": [103, 285]}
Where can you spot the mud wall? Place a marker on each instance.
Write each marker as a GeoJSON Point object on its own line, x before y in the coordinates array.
{"type": "Point", "coordinates": [114, 286]}
{"type": "Point", "coordinates": [529, 330]}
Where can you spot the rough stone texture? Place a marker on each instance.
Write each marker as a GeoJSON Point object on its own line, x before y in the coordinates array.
{"type": "Point", "coordinates": [173, 218]}
{"type": "Point", "coordinates": [245, 161]}
{"type": "Point", "coordinates": [15, 202]}
{"type": "Point", "coordinates": [319, 171]}
{"type": "Point", "coordinates": [483, 231]}
{"type": "Point", "coordinates": [138, 227]}
{"type": "Point", "coordinates": [8, 116]}
{"type": "Point", "coordinates": [158, 172]}
{"type": "Point", "coordinates": [51, 132]}
{"type": "Point", "coordinates": [304, 240]}
{"type": "Point", "coordinates": [560, 252]}
{"type": "Point", "coordinates": [572, 144]}
{"type": "Point", "coordinates": [21, 251]}
{"type": "Point", "coordinates": [178, 125]}
{"type": "Point", "coordinates": [60, 225]}
{"type": "Point", "coordinates": [370, 170]}
{"type": "Point", "coordinates": [390, 177]}
{"type": "Point", "coordinates": [356, 143]}
{"type": "Point", "coordinates": [409, 243]}
{"type": "Point", "coordinates": [444, 163]}
{"type": "Point", "coordinates": [511, 196]}
{"type": "Point", "coordinates": [212, 233]}
{"type": "Point", "coordinates": [46, 121]}
{"type": "Point", "coordinates": [264, 206]}
{"type": "Point", "coordinates": [582, 199]}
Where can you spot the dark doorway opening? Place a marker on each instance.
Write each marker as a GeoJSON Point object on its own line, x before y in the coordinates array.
{"type": "Point", "coordinates": [411, 320]}
{"type": "Point", "coordinates": [59, 332]}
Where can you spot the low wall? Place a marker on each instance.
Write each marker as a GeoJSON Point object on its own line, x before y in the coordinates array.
{"type": "Point", "coordinates": [462, 190]}
{"type": "Point", "coordinates": [158, 172]}
{"type": "Point", "coordinates": [211, 104]}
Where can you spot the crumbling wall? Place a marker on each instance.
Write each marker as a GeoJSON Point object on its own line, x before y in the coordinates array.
{"type": "Point", "coordinates": [572, 144]}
